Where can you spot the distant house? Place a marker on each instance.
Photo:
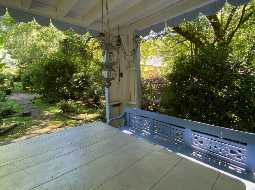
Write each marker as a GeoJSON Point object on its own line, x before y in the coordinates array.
{"type": "Point", "coordinates": [152, 68]}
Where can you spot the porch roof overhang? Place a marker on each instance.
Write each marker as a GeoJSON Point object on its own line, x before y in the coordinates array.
{"type": "Point", "coordinates": [141, 16]}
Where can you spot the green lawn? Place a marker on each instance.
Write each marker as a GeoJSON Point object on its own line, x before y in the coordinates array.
{"type": "Point", "coordinates": [21, 121]}
{"type": "Point", "coordinates": [50, 119]}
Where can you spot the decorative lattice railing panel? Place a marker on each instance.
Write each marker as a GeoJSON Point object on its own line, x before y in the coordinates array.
{"type": "Point", "coordinates": [169, 132]}
{"type": "Point", "coordinates": [205, 142]}
{"type": "Point", "coordinates": [140, 125]}
{"type": "Point", "coordinates": [230, 151]}
{"type": "Point", "coordinates": [156, 130]}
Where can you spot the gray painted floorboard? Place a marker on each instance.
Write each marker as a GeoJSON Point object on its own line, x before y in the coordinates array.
{"type": "Point", "coordinates": [97, 156]}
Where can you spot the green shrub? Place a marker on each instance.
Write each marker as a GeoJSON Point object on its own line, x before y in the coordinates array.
{"type": "Point", "coordinates": [74, 72]}
{"type": "Point", "coordinates": [51, 77]}
{"type": "Point", "coordinates": [214, 88]}
{"type": "Point", "coordinates": [87, 88]}
{"type": "Point", "coordinates": [26, 78]}
{"type": "Point", "coordinates": [2, 78]}
{"type": "Point", "coordinates": [152, 90]}
{"type": "Point", "coordinates": [8, 91]}
{"type": "Point", "coordinates": [6, 83]}
{"type": "Point", "coordinates": [2, 96]}
{"type": "Point", "coordinates": [6, 110]}
{"type": "Point", "coordinates": [69, 106]}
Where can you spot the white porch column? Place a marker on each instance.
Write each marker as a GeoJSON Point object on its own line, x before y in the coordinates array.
{"type": "Point", "coordinates": [107, 90]}
{"type": "Point", "coordinates": [125, 89]}
{"type": "Point", "coordinates": [138, 84]}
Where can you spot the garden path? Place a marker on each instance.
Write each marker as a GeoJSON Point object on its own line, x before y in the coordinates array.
{"type": "Point", "coordinates": [25, 100]}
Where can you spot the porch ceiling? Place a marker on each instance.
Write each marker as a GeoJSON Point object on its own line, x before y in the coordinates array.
{"type": "Point", "coordinates": [137, 15]}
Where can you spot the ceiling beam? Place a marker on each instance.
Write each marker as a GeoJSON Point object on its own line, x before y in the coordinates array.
{"type": "Point", "coordinates": [64, 7]}
{"type": "Point", "coordinates": [90, 5]}
{"type": "Point", "coordinates": [26, 4]}
{"type": "Point", "coordinates": [93, 14]}
{"type": "Point", "coordinates": [122, 9]}
{"type": "Point", "coordinates": [149, 10]}
{"type": "Point", "coordinates": [133, 14]}
{"type": "Point", "coordinates": [13, 4]}
{"type": "Point", "coordinates": [114, 6]}
{"type": "Point", "coordinates": [168, 12]}
{"type": "Point", "coordinates": [143, 9]}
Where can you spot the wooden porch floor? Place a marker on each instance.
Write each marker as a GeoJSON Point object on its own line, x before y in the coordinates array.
{"type": "Point", "coordinates": [96, 156]}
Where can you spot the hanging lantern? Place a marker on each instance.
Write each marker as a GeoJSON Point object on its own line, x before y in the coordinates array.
{"type": "Point", "coordinates": [108, 74]}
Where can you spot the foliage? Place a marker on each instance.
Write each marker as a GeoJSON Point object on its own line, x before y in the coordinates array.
{"type": "Point", "coordinates": [51, 77]}
{"type": "Point", "coordinates": [215, 88]}
{"type": "Point", "coordinates": [58, 65]}
{"type": "Point", "coordinates": [50, 120]}
{"type": "Point", "coordinates": [150, 52]}
{"type": "Point", "coordinates": [69, 106]}
{"type": "Point", "coordinates": [43, 105]}
{"type": "Point", "coordinates": [5, 110]}
{"type": "Point", "coordinates": [6, 24]}
{"type": "Point", "coordinates": [29, 42]}
{"type": "Point", "coordinates": [6, 83]}
{"type": "Point", "coordinates": [210, 68]}
{"type": "Point", "coordinates": [23, 124]}
{"type": "Point", "coordinates": [1, 67]}
{"type": "Point", "coordinates": [2, 96]}
{"type": "Point", "coordinates": [73, 72]}
{"type": "Point", "coordinates": [149, 48]}
{"type": "Point", "coordinates": [217, 29]}
{"type": "Point", "coordinates": [9, 107]}
{"type": "Point", "coordinates": [152, 88]}
{"type": "Point", "coordinates": [54, 108]}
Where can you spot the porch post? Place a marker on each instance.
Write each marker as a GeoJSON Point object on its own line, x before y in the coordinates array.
{"type": "Point", "coordinates": [138, 85]}
{"type": "Point", "coordinates": [107, 88]}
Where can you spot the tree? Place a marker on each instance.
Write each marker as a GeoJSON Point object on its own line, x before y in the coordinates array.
{"type": "Point", "coordinates": [210, 91]}
{"type": "Point", "coordinates": [6, 24]}
{"type": "Point", "coordinates": [59, 65]}
{"type": "Point", "coordinates": [73, 72]}
{"type": "Point", "coordinates": [29, 42]}
{"type": "Point", "coordinates": [212, 79]}
{"type": "Point", "coordinates": [218, 29]}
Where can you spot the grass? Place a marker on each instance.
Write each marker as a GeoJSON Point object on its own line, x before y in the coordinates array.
{"type": "Point", "coordinates": [50, 119]}
{"type": "Point", "coordinates": [10, 105]}
{"type": "Point", "coordinates": [22, 122]}
{"type": "Point", "coordinates": [41, 104]}
{"type": "Point", "coordinates": [23, 127]}
{"type": "Point", "coordinates": [14, 105]}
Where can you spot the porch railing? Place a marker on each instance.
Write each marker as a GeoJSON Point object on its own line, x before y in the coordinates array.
{"type": "Point", "coordinates": [226, 146]}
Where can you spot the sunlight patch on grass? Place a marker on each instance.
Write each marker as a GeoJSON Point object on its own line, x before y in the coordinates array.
{"type": "Point", "coordinates": [50, 120]}
{"type": "Point", "coordinates": [23, 125]}
{"type": "Point", "coordinates": [46, 107]}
